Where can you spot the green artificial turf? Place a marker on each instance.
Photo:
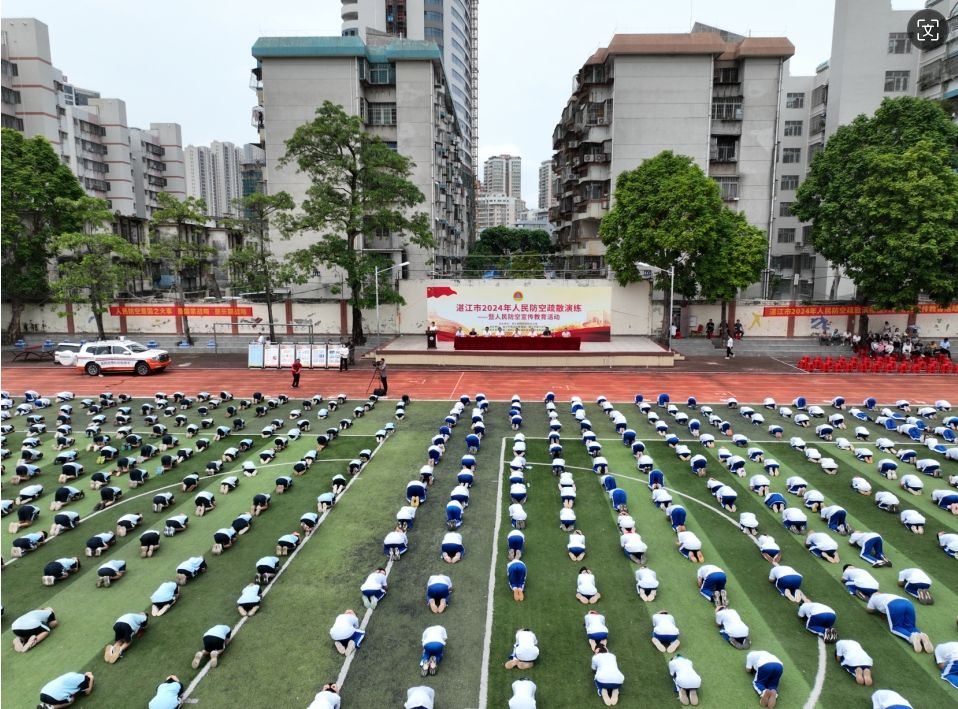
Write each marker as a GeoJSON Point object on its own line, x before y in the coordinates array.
{"type": "Point", "coordinates": [284, 653]}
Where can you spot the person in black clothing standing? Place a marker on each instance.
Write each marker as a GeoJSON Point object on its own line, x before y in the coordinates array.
{"type": "Point", "coordinates": [296, 369]}
{"type": "Point", "coordinates": [381, 368]}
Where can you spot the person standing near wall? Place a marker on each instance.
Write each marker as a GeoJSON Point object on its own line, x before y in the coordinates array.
{"type": "Point", "coordinates": [344, 357]}
{"type": "Point", "coordinates": [381, 368]}
{"type": "Point", "coordinates": [729, 344]}
{"type": "Point", "coordinates": [296, 369]}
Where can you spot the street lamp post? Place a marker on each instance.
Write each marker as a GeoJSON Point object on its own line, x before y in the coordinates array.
{"type": "Point", "coordinates": [671, 271]}
{"type": "Point", "coordinates": [376, 276]}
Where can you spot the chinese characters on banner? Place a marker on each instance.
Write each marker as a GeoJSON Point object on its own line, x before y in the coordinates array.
{"type": "Point", "coordinates": [583, 312]}
{"type": "Point", "coordinates": [156, 311]}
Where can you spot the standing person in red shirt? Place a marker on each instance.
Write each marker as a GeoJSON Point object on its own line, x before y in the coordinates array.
{"type": "Point", "coordinates": [296, 369]}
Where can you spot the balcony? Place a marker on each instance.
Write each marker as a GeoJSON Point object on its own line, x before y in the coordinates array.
{"type": "Point", "coordinates": [723, 154]}
{"type": "Point", "coordinates": [726, 127]}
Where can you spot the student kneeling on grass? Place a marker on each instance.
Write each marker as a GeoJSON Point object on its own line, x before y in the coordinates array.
{"type": "Point", "coordinates": [690, 546]}
{"type": "Point", "coordinates": [516, 572]}
{"type": "Point", "coordinates": [596, 630]}
{"type": "Point", "coordinates": [900, 614]}
{"type": "Point", "coordinates": [215, 641]}
{"type": "Point", "coordinates": [163, 598]}
{"type": "Point", "coordinates": [686, 680]}
{"type": "Point", "coordinates": [250, 598]}
{"type": "Point", "coordinates": [711, 582]}
{"type": "Point", "coordinates": [788, 582]}
{"type": "Point", "coordinates": [731, 627]}
{"type": "Point", "coordinates": [63, 691]}
{"type": "Point", "coordinates": [32, 628]}
{"type": "Point", "coordinates": [433, 646]}
{"type": "Point", "coordinates": [109, 572]}
{"type": "Point", "coordinates": [190, 569]}
{"type": "Point", "coordinates": [168, 694]}
{"type": "Point", "coordinates": [768, 671]}
{"type": "Point", "coordinates": [525, 651]}
{"type": "Point", "coordinates": [665, 633]}
{"type": "Point", "coordinates": [916, 583]}
{"type": "Point", "coordinates": [820, 620]}
{"type": "Point", "coordinates": [420, 698]}
{"type": "Point", "coordinates": [287, 543]}
{"type": "Point", "coordinates": [126, 627]}
{"type": "Point", "coordinates": [608, 678]}
{"type": "Point", "coordinates": [438, 588]}
{"type": "Point", "coordinates": [585, 589]}
{"type": "Point", "coordinates": [59, 569]}
{"type": "Point", "coordinates": [854, 660]}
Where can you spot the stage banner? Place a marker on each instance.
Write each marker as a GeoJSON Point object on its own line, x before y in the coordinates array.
{"type": "Point", "coordinates": [813, 310]}
{"type": "Point", "coordinates": [318, 359]}
{"type": "Point", "coordinates": [196, 311]}
{"type": "Point", "coordinates": [583, 312]}
{"type": "Point", "coordinates": [287, 354]}
{"type": "Point", "coordinates": [254, 357]}
{"type": "Point", "coordinates": [304, 355]}
{"type": "Point", "coordinates": [271, 355]}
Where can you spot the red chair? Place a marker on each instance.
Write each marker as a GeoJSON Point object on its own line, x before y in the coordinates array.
{"type": "Point", "coordinates": [903, 367]}
{"type": "Point", "coordinates": [918, 366]}
{"type": "Point", "coordinates": [947, 367]}
{"type": "Point", "coordinates": [817, 364]}
{"type": "Point", "coordinates": [891, 365]}
{"type": "Point", "coordinates": [805, 363]}
{"type": "Point", "coordinates": [932, 367]}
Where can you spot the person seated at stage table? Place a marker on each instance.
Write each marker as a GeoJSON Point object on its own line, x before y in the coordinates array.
{"type": "Point", "coordinates": [547, 332]}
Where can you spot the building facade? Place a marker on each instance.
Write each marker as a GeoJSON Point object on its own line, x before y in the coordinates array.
{"type": "Point", "coordinates": [871, 59]}
{"type": "Point", "coordinates": [453, 26]}
{"type": "Point", "coordinates": [938, 70]}
{"type": "Point", "coordinates": [502, 175]}
{"type": "Point", "coordinates": [216, 174]}
{"type": "Point", "coordinates": [498, 210]}
{"type": "Point", "coordinates": [546, 180]}
{"type": "Point", "coordinates": [708, 94]}
{"type": "Point", "coordinates": [398, 89]}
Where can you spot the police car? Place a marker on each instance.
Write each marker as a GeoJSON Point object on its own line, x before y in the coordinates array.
{"type": "Point", "coordinates": [96, 358]}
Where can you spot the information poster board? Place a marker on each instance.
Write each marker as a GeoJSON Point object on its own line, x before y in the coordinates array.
{"type": "Point", "coordinates": [304, 354]}
{"type": "Point", "coordinates": [254, 355]}
{"type": "Point", "coordinates": [287, 354]}
{"type": "Point", "coordinates": [318, 356]}
{"type": "Point", "coordinates": [332, 355]}
{"type": "Point", "coordinates": [271, 355]}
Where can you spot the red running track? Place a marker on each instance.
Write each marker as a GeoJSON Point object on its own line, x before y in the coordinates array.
{"type": "Point", "coordinates": [448, 384]}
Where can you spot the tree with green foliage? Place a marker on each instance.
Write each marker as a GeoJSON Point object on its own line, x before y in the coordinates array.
{"type": "Point", "coordinates": [668, 212]}
{"type": "Point", "coordinates": [92, 267]}
{"type": "Point", "coordinates": [883, 200]}
{"type": "Point", "coordinates": [33, 181]}
{"type": "Point", "coordinates": [255, 267]}
{"type": "Point", "coordinates": [180, 251]}
{"type": "Point", "coordinates": [358, 186]}
{"type": "Point", "coordinates": [514, 253]}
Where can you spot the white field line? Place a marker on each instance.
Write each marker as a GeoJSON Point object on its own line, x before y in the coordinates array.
{"type": "Point", "coordinates": [242, 621]}
{"type": "Point", "coordinates": [452, 394]}
{"type": "Point", "coordinates": [344, 672]}
{"type": "Point", "coordinates": [490, 593]}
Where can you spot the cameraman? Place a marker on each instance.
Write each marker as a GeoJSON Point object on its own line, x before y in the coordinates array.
{"type": "Point", "coordinates": [381, 368]}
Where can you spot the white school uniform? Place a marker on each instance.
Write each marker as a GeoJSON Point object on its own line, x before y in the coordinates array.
{"type": "Point", "coordinates": [731, 622]}
{"type": "Point", "coordinates": [632, 543]}
{"type": "Point", "coordinates": [585, 584]}
{"type": "Point", "coordinates": [646, 579]}
{"type": "Point", "coordinates": [885, 698]}
{"type": "Point", "coordinates": [851, 654]}
{"type": "Point", "coordinates": [526, 647]}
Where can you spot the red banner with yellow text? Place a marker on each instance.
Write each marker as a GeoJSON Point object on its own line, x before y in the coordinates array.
{"type": "Point", "coordinates": [202, 311]}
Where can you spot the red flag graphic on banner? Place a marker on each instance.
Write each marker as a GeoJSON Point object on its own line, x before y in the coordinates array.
{"type": "Point", "coordinates": [439, 291]}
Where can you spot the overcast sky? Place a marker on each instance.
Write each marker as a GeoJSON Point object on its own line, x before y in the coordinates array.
{"type": "Point", "coordinates": [189, 62]}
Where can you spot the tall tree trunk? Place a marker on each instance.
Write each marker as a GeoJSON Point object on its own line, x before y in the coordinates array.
{"type": "Point", "coordinates": [181, 302]}
{"type": "Point", "coordinates": [98, 318]}
{"type": "Point", "coordinates": [13, 329]}
{"type": "Point", "coordinates": [269, 311]}
{"type": "Point", "coordinates": [723, 318]}
{"type": "Point", "coordinates": [359, 338]}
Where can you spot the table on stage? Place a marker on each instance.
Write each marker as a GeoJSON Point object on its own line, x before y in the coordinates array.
{"type": "Point", "coordinates": [469, 342]}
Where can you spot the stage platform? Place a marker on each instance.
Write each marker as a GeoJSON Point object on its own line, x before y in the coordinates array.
{"type": "Point", "coordinates": [621, 352]}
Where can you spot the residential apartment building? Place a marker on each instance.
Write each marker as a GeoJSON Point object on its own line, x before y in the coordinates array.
{"type": "Point", "coordinates": [871, 58]}
{"type": "Point", "coordinates": [399, 90]}
{"type": "Point", "coordinates": [453, 25]}
{"type": "Point", "coordinates": [546, 180]}
{"type": "Point", "coordinates": [215, 174]}
{"type": "Point", "coordinates": [90, 133]}
{"type": "Point", "coordinates": [498, 210]}
{"type": "Point", "coordinates": [502, 175]}
{"type": "Point", "coordinates": [938, 70]}
{"type": "Point", "coordinates": [708, 94]}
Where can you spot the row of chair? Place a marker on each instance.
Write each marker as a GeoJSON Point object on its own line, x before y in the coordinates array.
{"type": "Point", "coordinates": [886, 364]}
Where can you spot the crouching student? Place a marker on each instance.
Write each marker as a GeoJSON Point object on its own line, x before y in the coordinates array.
{"type": "Point", "coordinates": [168, 694]}
{"type": "Point", "coordinates": [525, 651]}
{"type": "Point", "coordinates": [164, 597]}
{"type": "Point", "coordinates": [916, 583]}
{"type": "Point", "coordinates": [686, 680]}
{"type": "Point", "coordinates": [32, 628]}
{"type": "Point", "coordinates": [250, 598]}
{"type": "Point", "coordinates": [452, 549]}
{"type": "Point", "coordinates": [788, 582]}
{"type": "Point", "coordinates": [731, 627]}
{"type": "Point", "coordinates": [516, 573]}
{"type": "Point", "coordinates": [287, 543]}
{"type": "Point", "coordinates": [646, 584]}
{"type": "Point", "coordinates": [819, 619]}
{"type": "Point", "coordinates": [665, 633]}
{"type": "Point", "coordinates": [769, 548]}
{"type": "Point", "coordinates": [596, 630]}
{"type": "Point", "coordinates": [608, 678]}
{"type": "Point", "coordinates": [215, 641]}
{"type": "Point", "coordinates": [855, 661]}
{"type": "Point", "coordinates": [59, 569]}
{"type": "Point", "coordinates": [768, 671]}
{"type": "Point", "coordinates": [64, 690]}
{"type": "Point", "coordinates": [438, 588]}
{"type": "Point", "coordinates": [711, 582]}
{"type": "Point", "coordinates": [109, 572]}
{"type": "Point", "coordinates": [900, 614]}
{"type": "Point", "coordinates": [433, 646]}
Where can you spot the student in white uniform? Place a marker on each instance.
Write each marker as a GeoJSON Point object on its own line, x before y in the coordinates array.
{"type": "Point", "coordinates": [596, 629]}
{"type": "Point", "coordinates": [795, 520]}
{"type": "Point", "coordinates": [420, 698]}
{"type": "Point", "coordinates": [345, 633]}
{"type": "Point", "coordinates": [819, 619]}
{"type": "Point", "coordinates": [886, 501]}
{"type": "Point", "coordinates": [916, 583]}
{"type": "Point", "coordinates": [859, 582]}
{"type": "Point", "coordinates": [855, 661]}
{"type": "Point", "coordinates": [523, 694]}
{"type": "Point", "coordinates": [32, 628]}
{"type": "Point", "coordinates": [585, 589]}
{"type": "Point", "coordinates": [946, 657]}
{"type": "Point", "coordinates": [948, 543]}
{"type": "Point", "coordinates": [525, 651]}
{"type": "Point", "coordinates": [633, 547]}
{"type": "Point", "coordinates": [327, 698]}
{"type": "Point", "coordinates": [748, 523]}
{"type": "Point", "coordinates": [646, 584]}
{"type": "Point", "coordinates": [913, 520]}
{"type": "Point", "coordinates": [861, 486]}
{"type": "Point", "coordinates": [686, 680]}
{"type": "Point", "coordinates": [900, 614]}
{"type": "Point", "coordinates": [434, 640]}
{"type": "Point", "coordinates": [690, 546]}
{"type": "Point", "coordinates": [912, 483]}
{"type": "Point", "coordinates": [788, 582]}
{"type": "Point", "coordinates": [665, 633]}
{"type": "Point", "coordinates": [822, 546]}
{"type": "Point", "coordinates": [576, 545]}
{"type": "Point", "coordinates": [768, 671]}
{"type": "Point", "coordinates": [608, 678]}
{"type": "Point", "coordinates": [374, 588]}
{"type": "Point", "coordinates": [769, 548]}
{"type": "Point", "coordinates": [732, 628]}
{"type": "Point", "coordinates": [889, 699]}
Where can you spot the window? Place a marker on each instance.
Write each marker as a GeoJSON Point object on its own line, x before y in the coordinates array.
{"type": "Point", "coordinates": [791, 155]}
{"type": "Point", "coordinates": [382, 114]}
{"type": "Point", "coordinates": [433, 34]}
{"type": "Point", "coordinates": [898, 43]}
{"type": "Point", "coordinates": [10, 96]}
{"type": "Point", "coordinates": [793, 128]}
{"type": "Point", "coordinates": [350, 33]}
{"type": "Point", "coordinates": [820, 95]}
{"type": "Point", "coordinates": [723, 148]}
{"type": "Point", "coordinates": [431, 16]}
{"type": "Point", "coordinates": [382, 73]}
{"type": "Point", "coordinates": [896, 81]}
{"type": "Point", "coordinates": [816, 124]}
{"type": "Point", "coordinates": [11, 122]}
{"type": "Point", "coordinates": [726, 75]}
{"type": "Point", "coordinates": [807, 234]}
{"type": "Point", "coordinates": [785, 209]}
{"type": "Point", "coordinates": [786, 236]}
{"type": "Point", "coordinates": [796, 100]}
{"type": "Point", "coordinates": [727, 108]}
{"type": "Point", "coordinates": [789, 182]}
{"type": "Point", "coordinates": [728, 188]}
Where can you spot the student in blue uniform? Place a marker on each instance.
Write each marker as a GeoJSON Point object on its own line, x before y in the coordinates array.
{"type": "Point", "coordinates": [515, 542]}
{"type": "Point", "coordinates": [787, 581]}
{"type": "Point", "coordinates": [32, 628]}
{"type": "Point", "coordinates": [190, 569]}
{"type": "Point", "coordinates": [63, 691]}
{"type": "Point", "coordinates": [768, 671]}
{"type": "Point", "coordinates": [127, 627]}
{"type": "Point", "coordinates": [711, 582]}
{"type": "Point", "coordinates": [452, 549]}
{"type": "Point", "coordinates": [59, 569]}
{"type": "Point", "coordinates": [516, 573]}
{"type": "Point", "coordinates": [900, 614]}
{"type": "Point", "coordinates": [163, 598]}
{"type": "Point", "coordinates": [819, 619]}
{"type": "Point", "coordinates": [438, 588]}
{"type": "Point", "coordinates": [676, 515]}
{"type": "Point", "coordinates": [168, 694]}
{"type": "Point", "coordinates": [249, 600]}
{"type": "Point", "coordinates": [872, 549]}
{"type": "Point", "coordinates": [215, 641]}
